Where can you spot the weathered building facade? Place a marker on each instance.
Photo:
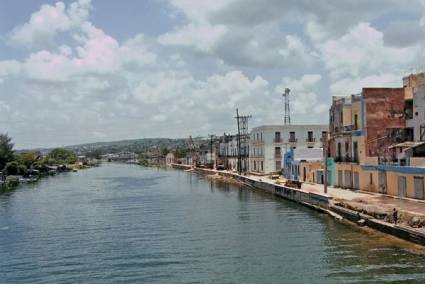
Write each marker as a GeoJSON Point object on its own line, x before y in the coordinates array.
{"type": "Point", "coordinates": [375, 140]}
{"type": "Point", "coordinates": [269, 143]}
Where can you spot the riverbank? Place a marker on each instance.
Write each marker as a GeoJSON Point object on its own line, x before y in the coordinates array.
{"type": "Point", "coordinates": [10, 182]}
{"type": "Point", "coordinates": [345, 205]}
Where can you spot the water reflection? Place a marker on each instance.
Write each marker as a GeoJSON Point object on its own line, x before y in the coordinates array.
{"type": "Point", "coordinates": [121, 223]}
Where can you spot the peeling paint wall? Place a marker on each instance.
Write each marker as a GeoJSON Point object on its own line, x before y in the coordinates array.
{"type": "Point", "coordinates": [384, 109]}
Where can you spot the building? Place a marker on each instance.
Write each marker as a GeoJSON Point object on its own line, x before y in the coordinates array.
{"type": "Point", "coordinates": [124, 156]}
{"type": "Point", "coordinates": [376, 140]}
{"type": "Point", "coordinates": [269, 143]}
{"type": "Point", "coordinates": [170, 159]}
{"type": "Point", "coordinates": [414, 86]}
{"type": "Point", "coordinates": [228, 152]}
{"type": "Point", "coordinates": [360, 128]}
{"type": "Point", "coordinates": [304, 164]}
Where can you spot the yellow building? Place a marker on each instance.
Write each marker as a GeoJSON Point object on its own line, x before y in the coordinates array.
{"type": "Point", "coordinates": [311, 172]}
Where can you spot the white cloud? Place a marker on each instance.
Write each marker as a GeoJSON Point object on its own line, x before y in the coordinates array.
{"type": "Point", "coordinates": [48, 21]}
{"type": "Point", "coordinates": [305, 102]}
{"type": "Point", "coordinates": [202, 37]}
{"type": "Point", "coordinates": [9, 67]}
{"type": "Point", "coordinates": [362, 51]}
{"type": "Point", "coordinates": [219, 55]}
{"type": "Point", "coordinates": [348, 85]}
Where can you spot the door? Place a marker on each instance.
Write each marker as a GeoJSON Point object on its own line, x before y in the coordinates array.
{"type": "Point", "coordinates": [419, 187]}
{"type": "Point", "coordinates": [402, 186]}
{"type": "Point", "coordinates": [348, 181]}
{"type": "Point", "coordinates": [356, 181]}
{"type": "Point", "coordinates": [382, 182]}
{"type": "Point", "coordinates": [340, 179]}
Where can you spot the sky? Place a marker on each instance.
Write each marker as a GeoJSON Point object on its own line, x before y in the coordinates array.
{"type": "Point", "coordinates": [102, 70]}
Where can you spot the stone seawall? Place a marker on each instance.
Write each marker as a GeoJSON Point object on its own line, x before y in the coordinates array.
{"type": "Point", "coordinates": [319, 202]}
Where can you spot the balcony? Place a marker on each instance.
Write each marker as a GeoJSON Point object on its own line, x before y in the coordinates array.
{"type": "Point", "coordinates": [293, 140]}
{"type": "Point", "coordinates": [348, 128]}
{"type": "Point", "coordinates": [278, 155]}
{"type": "Point", "coordinates": [277, 140]}
{"type": "Point", "coordinates": [310, 140]}
{"type": "Point", "coordinates": [257, 142]}
{"type": "Point", "coordinates": [346, 159]}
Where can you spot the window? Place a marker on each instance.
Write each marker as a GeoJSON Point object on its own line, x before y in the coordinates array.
{"type": "Point", "coordinates": [370, 179]}
{"type": "Point", "coordinates": [310, 137]}
{"type": "Point", "coordinates": [419, 187]}
{"type": "Point", "coordinates": [355, 152]}
{"type": "Point", "coordinates": [261, 165]}
{"type": "Point", "coordinates": [292, 136]}
{"type": "Point", "coordinates": [277, 152]}
{"type": "Point", "coordinates": [339, 150]}
{"type": "Point", "coordinates": [277, 137]}
{"type": "Point", "coordinates": [278, 166]}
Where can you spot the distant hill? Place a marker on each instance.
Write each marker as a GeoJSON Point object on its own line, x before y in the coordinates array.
{"type": "Point", "coordinates": [131, 145]}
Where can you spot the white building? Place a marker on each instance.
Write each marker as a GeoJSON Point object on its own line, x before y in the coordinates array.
{"type": "Point", "coordinates": [268, 144]}
{"type": "Point", "coordinates": [415, 113]}
{"type": "Point", "coordinates": [170, 159]}
{"type": "Point", "coordinates": [228, 152]}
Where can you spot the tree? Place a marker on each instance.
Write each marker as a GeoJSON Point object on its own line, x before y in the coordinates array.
{"type": "Point", "coordinates": [95, 154]}
{"type": "Point", "coordinates": [6, 150]}
{"type": "Point", "coordinates": [61, 156]}
{"type": "Point", "coordinates": [163, 151]}
{"type": "Point", "coordinates": [181, 151]}
{"type": "Point", "coordinates": [26, 159]}
{"type": "Point", "coordinates": [14, 168]}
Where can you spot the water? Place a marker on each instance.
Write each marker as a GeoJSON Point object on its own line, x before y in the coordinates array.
{"type": "Point", "coordinates": [122, 223]}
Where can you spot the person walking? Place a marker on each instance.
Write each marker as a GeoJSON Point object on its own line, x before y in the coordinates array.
{"type": "Point", "coordinates": [395, 216]}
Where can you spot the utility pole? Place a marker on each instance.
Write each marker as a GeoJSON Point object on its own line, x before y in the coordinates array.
{"type": "Point", "coordinates": [211, 150]}
{"type": "Point", "coordinates": [238, 138]}
{"type": "Point", "coordinates": [242, 139]}
{"type": "Point", "coordinates": [287, 113]}
{"type": "Point", "coordinates": [325, 154]}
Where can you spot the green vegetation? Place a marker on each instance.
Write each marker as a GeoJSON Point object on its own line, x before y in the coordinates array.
{"type": "Point", "coordinates": [24, 163]}
{"type": "Point", "coordinates": [61, 156]}
{"type": "Point", "coordinates": [6, 150]}
{"type": "Point", "coordinates": [14, 168]}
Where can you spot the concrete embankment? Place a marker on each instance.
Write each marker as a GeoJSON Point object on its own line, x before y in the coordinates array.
{"type": "Point", "coordinates": [320, 202]}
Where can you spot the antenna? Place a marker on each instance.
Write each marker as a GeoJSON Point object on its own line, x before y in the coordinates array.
{"type": "Point", "coordinates": [287, 115]}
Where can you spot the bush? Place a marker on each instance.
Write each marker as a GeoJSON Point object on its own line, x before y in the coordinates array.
{"type": "Point", "coordinates": [14, 168]}
{"type": "Point", "coordinates": [61, 156]}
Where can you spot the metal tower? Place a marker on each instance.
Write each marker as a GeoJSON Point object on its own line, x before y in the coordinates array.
{"type": "Point", "coordinates": [287, 115]}
{"type": "Point", "coordinates": [243, 142]}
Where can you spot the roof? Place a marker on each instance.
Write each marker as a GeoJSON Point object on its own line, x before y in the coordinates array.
{"type": "Point", "coordinates": [292, 127]}
{"type": "Point", "coordinates": [407, 144]}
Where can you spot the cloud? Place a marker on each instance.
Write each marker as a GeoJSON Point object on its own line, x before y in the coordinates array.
{"type": "Point", "coordinates": [304, 100]}
{"type": "Point", "coordinates": [202, 37]}
{"type": "Point", "coordinates": [47, 22]}
{"type": "Point", "coordinates": [78, 82]}
{"type": "Point", "coordinates": [9, 67]}
{"type": "Point", "coordinates": [350, 85]}
{"type": "Point", "coordinates": [362, 50]}
{"type": "Point", "coordinates": [402, 33]}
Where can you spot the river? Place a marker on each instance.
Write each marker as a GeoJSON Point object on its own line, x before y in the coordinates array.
{"type": "Point", "coordinates": [125, 223]}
